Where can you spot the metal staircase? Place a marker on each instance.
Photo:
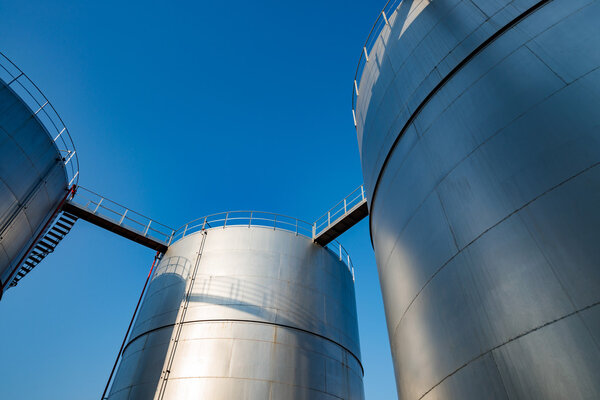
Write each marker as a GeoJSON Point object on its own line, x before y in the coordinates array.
{"type": "Point", "coordinates": [46, 245]}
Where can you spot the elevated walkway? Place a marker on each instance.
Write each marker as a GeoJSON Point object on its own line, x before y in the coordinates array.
{"type": "Point", "coordinates": [106, 214]}
{"type": "Point", "coordinates": [91, 207]}
{"type": "Point", "coordinates": [341, 217]}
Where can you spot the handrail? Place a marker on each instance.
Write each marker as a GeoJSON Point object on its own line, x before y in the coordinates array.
{"type": "Point", "coordinates": [121, 215]}
{"type": "Point", "coordinates": [262, 219]}
{"type": "Point", "coordinates": [245, 218]}
{"type": "Point", "coordinates": [354, 199]}
{"type": "Point", "coordinates": [382, 20]}
{"type": "Point", "coordinates": [45, 113]}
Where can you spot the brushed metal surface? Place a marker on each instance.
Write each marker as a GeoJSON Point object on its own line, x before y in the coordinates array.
{"type": "Point", "coordinates": [481, 169]}
{"type": "Point", "coordinates": [33, 179]}
{"type": "Point", "coordinates": [271, 315]}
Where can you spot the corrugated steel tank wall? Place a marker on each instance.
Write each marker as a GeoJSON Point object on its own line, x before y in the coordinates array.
{"type": "Point", "coordinates": [33, 179]}
{"type": "Point", "coordinates": [482, 170]}
{"type": "Point", "coordinates": [270, 315]}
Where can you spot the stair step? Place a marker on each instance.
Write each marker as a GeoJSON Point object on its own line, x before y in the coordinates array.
{"type": "Point", "coordinates": [46, 245]}
{"type": "Point", "coordinates": [64, 226]}
{"type": "Point", "coordinates": [38, 254]}
{"type": "Point", "coordinates": [51, 242]}
{"type": "Point", "coordinates": [43, 247]}
{"type": "Point", "coordinates": [53, 234]}
{"type": "Point", "coordinates": [69, 216]}
{"type": "Point", "coordinates": [60, 231]}
{"type": "Point", "coordinates": [40, 251]}
{"type": "Point", "coordinates": [44, 242]}
{"type": "Point", "coordinates": [66, 222]}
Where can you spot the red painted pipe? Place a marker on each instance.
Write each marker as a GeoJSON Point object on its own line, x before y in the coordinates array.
{"type": "Point", "coordinates": [129, 327]}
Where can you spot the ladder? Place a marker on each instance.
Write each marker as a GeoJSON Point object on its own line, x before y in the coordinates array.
{"type": "Point", "coordinates": [46, 245]}
{"type": "Point", "coordinates": [183, 308]}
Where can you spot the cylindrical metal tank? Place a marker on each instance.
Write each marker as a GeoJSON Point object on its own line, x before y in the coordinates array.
{"type": "Point", "coordinates": [243, 311]}
{"type": "Point", "coordinates": [37, 166]}
{"type": "Point", "coordinates": [479, 129]}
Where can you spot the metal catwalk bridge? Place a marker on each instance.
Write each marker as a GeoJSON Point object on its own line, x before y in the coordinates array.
{"type": "Point", "coordinates": [119, 219]}
{"type": "Point", "coordinates": [341, 217]}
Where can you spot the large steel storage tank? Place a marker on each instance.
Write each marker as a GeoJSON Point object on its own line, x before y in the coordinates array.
{"type": "Point", "coordinates": [244, 306]}
{"type": "Point", "coordinates": [37, 166]}
{"type": "Point", "coordinates": [479, 128]}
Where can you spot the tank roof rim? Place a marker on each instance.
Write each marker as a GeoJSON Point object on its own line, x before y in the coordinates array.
{"type": "Point", "coordinates": [67, 140]}
{"type": "Point", "coordinates": [306, 229]}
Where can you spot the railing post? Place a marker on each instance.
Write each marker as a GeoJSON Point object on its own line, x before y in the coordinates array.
{"type": "Point", "coordinates": [362, 192]}
{"type": "Point", "coordinates": [226, 216]}
{"type": "Point", "coordinates": [123, 217]}
{"type": "Point", "coordinates": [204, 223]}
{"type": "Point", "coordinates": [314, 230]}
{"type": "Point", "coordinates": [385, 17]}
{"type": "Point", "coordinates": [63, 129]}
{"type": "Point", "coordinates": [296, 226]}
{"type": "Point", "coordinates": [356, 87]}
{"type": "Point", "coordinates": [100, 202]}
{"type": "Point", "coordinates": [345, 209]}
{"type": "Point", "coordinates": [250, 221]}
{"type": "Point", "coordinates": [71, 154]}
{"type": "Point", "coordinates": [42, 107]}
{"type": "Point", "coordinates": [73, 178]}
{"type": "Point", "coordinates": [366, 54]}
{"type": "Point", "coordinates": [328, 218]}
{"type": "Point", "coordinates": [147, 227]}
{"type": "Point", "coordinates": [275, 223]}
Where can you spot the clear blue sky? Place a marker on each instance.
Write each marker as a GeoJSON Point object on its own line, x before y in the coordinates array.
{"type": "Point", "coordinates": [180, 110]}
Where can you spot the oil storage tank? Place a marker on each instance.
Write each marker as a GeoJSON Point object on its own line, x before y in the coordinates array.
{"type": "Point", "coordinates": [479, 133]}
{"type": "Point", "coordinates": [38, 166]}
{"type": "Point", "coordinates": [244, 305]}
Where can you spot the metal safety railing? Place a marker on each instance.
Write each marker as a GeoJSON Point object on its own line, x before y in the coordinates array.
{"type": "Point", "coordinates": [245, 218]}
{"type": "Point", "coordinates": [45, 113]}
{"type": "Point", "coordinates": [346, 205]}
{"type": "Point", "coordinates": [117, 214]}
{"type": "Point", "coordinates": [260, 219]}
{"type": "Point", "coordinates": [121, 215]}
{"type": "Point", "coordinates": [382, 20]}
